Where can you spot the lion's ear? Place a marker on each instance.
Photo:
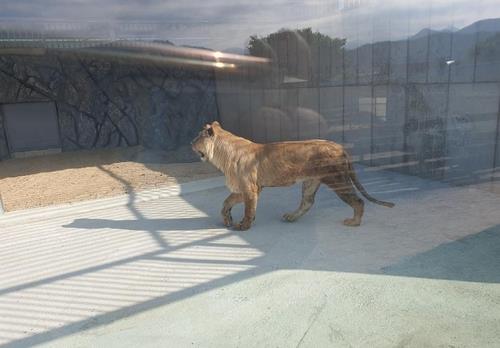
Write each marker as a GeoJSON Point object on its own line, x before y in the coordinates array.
{"type": "Point", "coordinates": [210, 131]}
{"type": "Point", "coordinates": [216, 124]}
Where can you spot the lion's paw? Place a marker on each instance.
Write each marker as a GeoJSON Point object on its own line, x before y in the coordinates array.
{"type": "Point", "coordinates": [352, 222]}
{"type": "Point", "coordinates": [242, 226]}
{"type": "Point", "coordinates": [227, 220]}
{"type": "Point", "coordinates": [289, 217]}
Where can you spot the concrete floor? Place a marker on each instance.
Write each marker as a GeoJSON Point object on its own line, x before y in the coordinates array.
{"type": "Point", "coordinates": [164, 272]}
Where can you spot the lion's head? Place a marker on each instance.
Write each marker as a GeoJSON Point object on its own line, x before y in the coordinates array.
{"type": "Point", "coordinates": [203, 144]}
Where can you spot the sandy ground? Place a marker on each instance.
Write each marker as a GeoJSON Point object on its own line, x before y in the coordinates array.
{"type": "Point", "coordinates": [78, 176]}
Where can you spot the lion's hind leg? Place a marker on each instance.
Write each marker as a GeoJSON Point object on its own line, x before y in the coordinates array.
{"type": "Point", "coordinates": [309, 189]}
{"type": "Point", "coordinates": [342, 186]}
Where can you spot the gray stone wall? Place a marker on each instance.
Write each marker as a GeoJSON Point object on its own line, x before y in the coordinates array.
{"type": "Point", "coordinates": [107, 102]}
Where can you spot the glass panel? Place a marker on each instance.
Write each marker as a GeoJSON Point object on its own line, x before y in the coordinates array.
{"type": "Point", "coordinates": [181, 123]}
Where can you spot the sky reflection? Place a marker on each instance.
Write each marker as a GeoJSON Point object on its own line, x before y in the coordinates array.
{"type": "Point", "coordinates": [227, 25]}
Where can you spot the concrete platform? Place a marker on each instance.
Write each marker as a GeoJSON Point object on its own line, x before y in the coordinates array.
{"type": "Point", "coordinates": [165, 272]}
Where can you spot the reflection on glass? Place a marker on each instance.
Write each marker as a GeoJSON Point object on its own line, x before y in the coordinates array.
{"type": "Point", "coordinates": [379, 76]}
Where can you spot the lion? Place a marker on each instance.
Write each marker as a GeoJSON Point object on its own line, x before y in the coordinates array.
{"type": "Point", "coordinates": [249, 167]}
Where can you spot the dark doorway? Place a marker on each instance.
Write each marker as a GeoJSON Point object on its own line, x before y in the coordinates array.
{"type": "Point", "coordinates": [32, 128]}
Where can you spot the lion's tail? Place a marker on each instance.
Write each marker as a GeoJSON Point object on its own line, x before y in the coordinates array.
{"type": "Point", "coordinates": [355, 181]}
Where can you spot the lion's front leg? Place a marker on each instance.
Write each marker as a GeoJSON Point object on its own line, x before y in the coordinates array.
{"type": "Point", "coordinates": [229, 203]}
{"type": "Point", "coordinates": [250, 200]}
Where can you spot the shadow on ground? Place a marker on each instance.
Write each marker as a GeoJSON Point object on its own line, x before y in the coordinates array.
{"type": "Point", "coordinates": [475, 258]}
{"type": "Point", "coordinates": [186, 224]}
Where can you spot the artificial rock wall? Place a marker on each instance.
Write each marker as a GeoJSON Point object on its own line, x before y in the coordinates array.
{"type": "Point", "coordinates": [107, 102]}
